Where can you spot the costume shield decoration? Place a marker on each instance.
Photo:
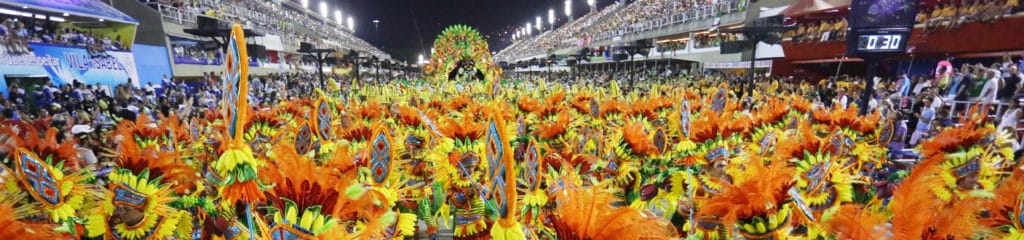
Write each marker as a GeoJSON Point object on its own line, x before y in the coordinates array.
{"type": "Point", "coordinates": [381, 157]}
{"type": "Point", "coordinates": [531, 173]}
{"type": "Point", "coordinates": [304, 139]}
{"type": "Point", "coordinates": [37, 176]}
{"type": "Point", "coordinates": [660, 141]}
{"type": "Point", "coordinates": [323, 120]}
{"type": "Point", "coordinates": [718, 101]}
{"type": "Point", "coordinates": [236, 83]}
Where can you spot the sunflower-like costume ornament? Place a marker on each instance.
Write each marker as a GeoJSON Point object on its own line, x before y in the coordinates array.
{"type": "Point", "coordinates": [39, 172]}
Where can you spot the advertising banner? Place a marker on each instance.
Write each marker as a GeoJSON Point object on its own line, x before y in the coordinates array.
{"type": "Point", "coordinates": [64, 64]}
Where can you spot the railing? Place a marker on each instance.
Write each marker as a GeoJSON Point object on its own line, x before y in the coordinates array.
{"type": "Point", "coordinates": [693, 14]}
{"type": "Point", "coordinates": [175, 15]}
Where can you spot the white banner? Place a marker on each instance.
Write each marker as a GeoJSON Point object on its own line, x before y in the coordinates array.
{"type": "Point", "coordinates": [272, 42]}
{"type": "Point", "coordinates": [741, 64]}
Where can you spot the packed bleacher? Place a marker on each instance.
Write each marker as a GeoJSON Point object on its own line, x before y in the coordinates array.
{"type": "Point", "coordinates": [567, 35]}
{"type": "Point", "coordinates": [951, 14]}
{"type": "Point", "coordinates": [270, 18]}
{"type": "Point", "coordinates": [647, 15]}
{"type": "Point", "coordinates": [617, 19]}
{"type": "Point", "coordinates": [16, 32]}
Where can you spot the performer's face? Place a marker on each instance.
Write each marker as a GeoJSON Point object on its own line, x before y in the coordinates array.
{"type": "Point", "coordinates": [717, 169]}
{"type": "Point", "coordinates": [127, 215]}
{"type": "Point", "coordinates": [969, 182]}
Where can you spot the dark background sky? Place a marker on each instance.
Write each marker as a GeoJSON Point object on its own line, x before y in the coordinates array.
{"type": "Point", "coordinates": [408, 27]}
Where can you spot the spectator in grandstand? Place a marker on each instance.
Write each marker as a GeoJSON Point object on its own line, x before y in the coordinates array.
{"type": "Point", "coordinates": [842, 100]}
{"type": "Point", "coordinates": [924, 120]}
{"type": "Point", "coordinates": [1011, 118]}
{"type": "Point", "coordinates": [1011, 82]}
{"type": "Point", "coordinates": [84, 145]}
{"type": "Point", "coordinates": [896, 146]}
{"type": "Point", "coordinates": [991, 86]}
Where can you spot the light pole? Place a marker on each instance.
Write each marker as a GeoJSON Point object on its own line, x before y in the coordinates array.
{"type": "Point", "coordinates": [539, 25]}
{"type": "Point", "coordinates": [323, 9]}
{"type": "Point", "coordinates": [568, 9]}
{"type": "Point", "coordinates": [551, 19]}
{"type": "Point", "coordinates": [592, 4]}
{"type": "Point", "coordinates": [376, 32]}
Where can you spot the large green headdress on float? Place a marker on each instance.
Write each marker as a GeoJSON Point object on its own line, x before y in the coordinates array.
{"type": "Point", "coordinates": [460, 44]}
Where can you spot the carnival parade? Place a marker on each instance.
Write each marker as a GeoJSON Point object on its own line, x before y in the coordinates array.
{"type": "Point", "coordinates": [470, 146]}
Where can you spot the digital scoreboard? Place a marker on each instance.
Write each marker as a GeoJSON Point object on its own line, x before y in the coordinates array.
{"type": "Point", "coordinates": [880, 26]}
{"type": "Point", "coordinates": [882, 41]}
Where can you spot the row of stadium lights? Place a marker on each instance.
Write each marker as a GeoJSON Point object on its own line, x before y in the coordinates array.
{"type": "Point", "coordinates": [324, 11]}
{"type": "Point", "coordinates": [22, 13]}
{"type": "Point", "coordinates": [539, 24]}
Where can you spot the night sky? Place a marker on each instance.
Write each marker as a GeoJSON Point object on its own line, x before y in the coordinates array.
{"type": "Point", "coordinates": [408, 27]}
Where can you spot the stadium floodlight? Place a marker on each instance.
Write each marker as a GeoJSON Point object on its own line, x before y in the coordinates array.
{"type": "Point", "coordinates": [337, 17]}
{"type": "Point", "coordinates": [592, 3]}
{"type": "Point", "coordinates": [305, 4]}
{"type": "Point", "coordinates": [323, 9]}
{"type": "Point", "coordinates": [551, 16]}
{"type": "Point", "coordinates": [421, 59]}
{"type": "Point", "coordinates": [351, 24]}
{"type": "Point", "coordinates": [539, 22]}
{"type": "Point", "coordinates": [529, 28]}
{"type": "Point", "coordinates": [568, 8]}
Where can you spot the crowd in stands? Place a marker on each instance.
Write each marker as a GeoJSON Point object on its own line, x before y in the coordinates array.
{"type": "Point", "coordinates": [641, 11]}
{"type": "Point", "coordinates": [616, 17]}
{"type": "Point", "coordinates": [951, 14]}
{"type": "Point", "coordinates": [707, 40]}
{"type": "Point", "coordinates": [819, 31]}
{"type": "Point", "coordinates": [669, 46]}
{"type": "Point", "coordinates": [271, 17]}
{"type": "Point", "coordinates": [194, 52]}
{"type": "Point", "coordinates": [566, 35]}
{"type": "Point", "coordinates": [660, 11]}
{"type": "Point", "coordinates": [16, 32]}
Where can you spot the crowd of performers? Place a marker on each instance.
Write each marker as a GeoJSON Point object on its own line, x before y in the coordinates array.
{"type": "Point", "coordinates": [500, 162]}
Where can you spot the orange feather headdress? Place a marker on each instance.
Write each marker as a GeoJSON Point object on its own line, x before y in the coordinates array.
{"type": "Point", "coordinates": [45, 147]}
{"type": "Point", "coordinates": [758, 206]}
{"type": "Point", "coordinates": [164, 164]}
{"type": "Point", "coordinates": [588, 213]}
{"type": "Point", "coordinates": [15, 225]}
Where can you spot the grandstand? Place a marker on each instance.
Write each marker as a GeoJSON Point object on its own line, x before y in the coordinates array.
{"type": "Point", "coordinates": [694, 34]}
{"type": "Point", "coordinates": [49, 40]}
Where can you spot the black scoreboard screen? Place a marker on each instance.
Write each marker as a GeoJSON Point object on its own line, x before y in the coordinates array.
{"type": "Point", "coordinates": [880, 26]}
